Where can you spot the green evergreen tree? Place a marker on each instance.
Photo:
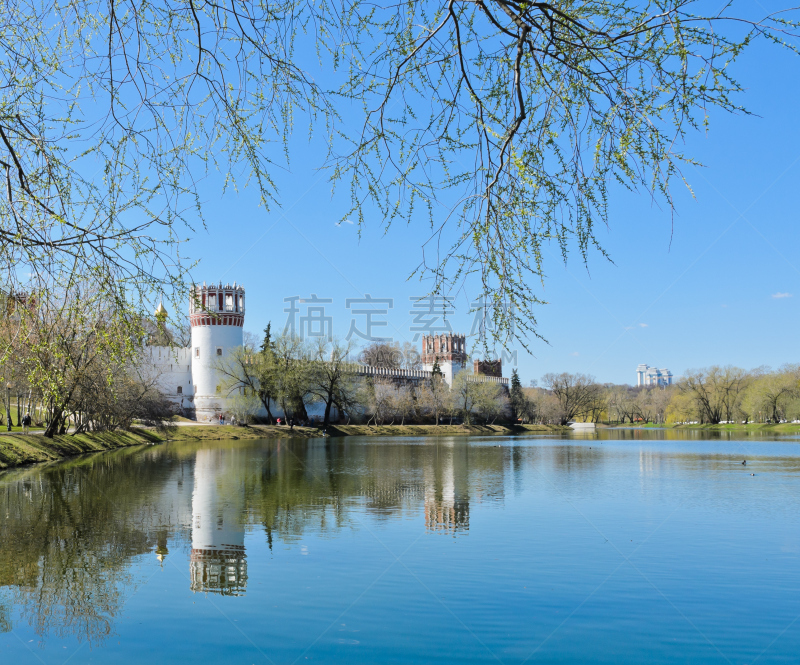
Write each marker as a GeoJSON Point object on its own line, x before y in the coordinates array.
{"type": "Point", "coordinates": [267, 369]}
{"type": "Point", "coordinates": [517, 396]}
{"type": "Point", "coordinates": [436, 371]}
{"type": "Point", "coordinates": [266, 345]}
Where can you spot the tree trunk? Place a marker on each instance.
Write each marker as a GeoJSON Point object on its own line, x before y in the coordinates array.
{"type": "Point", "coordinates": [52, 426]}
{"type": "Point", "coordinates": [326, 421]}
{"type": "Point", "coordinates": [266, 406]}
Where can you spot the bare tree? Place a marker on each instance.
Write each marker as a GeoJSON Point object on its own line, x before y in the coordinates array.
{"type": "Point", "coordinates": [576, 393]}
{"type": "Point", "coordinates": [435, 398]}
{"type": "Point", "coordinates": [403, 402]}
{"type": "Point", "coordinates": [383, 401]}
{"type": "Point", "coordinates": [491, 402]}
{"type": "Point", "coordinates": [716, 391]}
{"type": "Point", "coordinates": [330, 377]}
{"type": "Point", "coordinates": [464, 391]}
{"type": "Point", "coordinates": [383, 355]}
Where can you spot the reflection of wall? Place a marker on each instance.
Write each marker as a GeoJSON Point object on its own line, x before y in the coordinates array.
{"type": "Point", "coordinates": [447, 490]}
{"type": "Point", "coordinates": [218, 561]}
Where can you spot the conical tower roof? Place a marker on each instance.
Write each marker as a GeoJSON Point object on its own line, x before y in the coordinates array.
{"type": "Point", "coordinates": [161, 312]}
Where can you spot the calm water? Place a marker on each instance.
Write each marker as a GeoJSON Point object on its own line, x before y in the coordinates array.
{"type": "Point", "coordinates": [484, 550]}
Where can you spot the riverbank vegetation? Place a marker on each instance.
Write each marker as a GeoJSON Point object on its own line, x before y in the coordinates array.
{"type": "Point", "coordinates": [714, 396]}
{"type": "Point", "coordinates": [18, 450]}
{"type": "Point", "coordinates": [76, 361]}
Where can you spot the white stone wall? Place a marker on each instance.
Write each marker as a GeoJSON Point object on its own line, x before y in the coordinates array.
{"type": "Point", "coordinates": [172, 369]}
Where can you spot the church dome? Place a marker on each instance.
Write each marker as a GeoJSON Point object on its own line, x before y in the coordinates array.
{"type": "Point", "coordinates": [161, 312]}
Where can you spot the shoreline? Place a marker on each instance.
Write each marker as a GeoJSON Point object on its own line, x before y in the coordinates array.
{"type": "Point", "coordinates": [17, 450]}
{"type": "Point", "coordinates": [762, 428]}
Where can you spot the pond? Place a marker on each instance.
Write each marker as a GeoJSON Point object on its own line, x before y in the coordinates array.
{"type": "Point", "coordinates": [627, 547]}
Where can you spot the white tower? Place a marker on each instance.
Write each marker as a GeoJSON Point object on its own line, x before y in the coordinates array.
{"type": "Point", "coordinates": [449, 350]}
{"type": "Point", "coordinates": [216, 314]}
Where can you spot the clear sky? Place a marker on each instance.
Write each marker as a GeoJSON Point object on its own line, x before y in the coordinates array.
{"type": "Point", "coordinates": [718, 284]}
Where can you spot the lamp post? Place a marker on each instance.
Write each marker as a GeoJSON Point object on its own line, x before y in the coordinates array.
{"type": "Point", "coordinates": [8, 407]}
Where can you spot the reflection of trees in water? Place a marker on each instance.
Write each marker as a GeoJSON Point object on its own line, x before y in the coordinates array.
{"type": "Point", "coordinates": [313, 485]}
{"type": "Point", "coordinates": [5, 617]}
{"type": "Point", "coordinates": [71, 529]}
{"type": "Point", "coordinates": [68, 535]}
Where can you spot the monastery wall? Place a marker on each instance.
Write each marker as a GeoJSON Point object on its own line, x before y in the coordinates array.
{"type": "Point", "coordinates": [172, 368]}
{"type": "Point", "coordinates": [190, 377]}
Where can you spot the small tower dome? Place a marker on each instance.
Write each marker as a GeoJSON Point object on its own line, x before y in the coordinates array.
{"type": "Point", "coordinates": [161, 313]}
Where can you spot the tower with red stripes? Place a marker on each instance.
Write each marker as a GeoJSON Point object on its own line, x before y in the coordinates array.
{"type": "Point", "coordinates": [216, 314]}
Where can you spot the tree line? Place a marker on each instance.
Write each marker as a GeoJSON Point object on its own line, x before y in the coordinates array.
{"type": "Point", "coordinates": [712, 395]}
{"type": "Point", "coordinates": [285, 374]}
{"type": "Point", "coordinates": [74, 360]}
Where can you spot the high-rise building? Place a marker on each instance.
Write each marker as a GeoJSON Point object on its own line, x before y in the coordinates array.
{"type": "Point", "coordinates": [652, 376]}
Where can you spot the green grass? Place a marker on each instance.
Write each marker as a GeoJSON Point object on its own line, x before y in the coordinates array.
{"type": "Point", "coordinates": [779, 428]}
{"type": "Point", "coordinates": [217, 432]}
{"type": "Point", "coordinates": [17, 449]}
{"type": "Point", "coordinates": [15, 419]}
{"type": "Point", "coordinates": [436, 430]}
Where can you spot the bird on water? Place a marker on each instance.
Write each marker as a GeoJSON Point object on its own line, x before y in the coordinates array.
{"type": "Point", "coordinates": [744, 461]}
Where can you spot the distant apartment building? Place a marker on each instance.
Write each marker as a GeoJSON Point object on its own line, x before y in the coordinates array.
{"type": "Point", "coordinates": [651, 376]}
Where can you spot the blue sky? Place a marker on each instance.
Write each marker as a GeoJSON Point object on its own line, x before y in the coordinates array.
{"type": "Point", "coordinates": [716, 284]}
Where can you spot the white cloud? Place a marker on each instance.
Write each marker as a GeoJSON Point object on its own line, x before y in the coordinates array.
{"type": "Point", "coordinates": [781, 295]}
{"type": "Point", "coordinates": [345, 221]}
{"type": "Point", "coordinates": [574, 353]}
{"type": "Point", "coordinates": [643, 325]}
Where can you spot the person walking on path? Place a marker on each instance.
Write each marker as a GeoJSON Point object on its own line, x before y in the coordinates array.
{"type": "Point", "coordinates": [26, 423]}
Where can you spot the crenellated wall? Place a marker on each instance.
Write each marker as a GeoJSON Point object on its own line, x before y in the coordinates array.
{"type": "Point", "coordinates": [190, 377]}
{"type": "Point", "coordinates": [448, 350]}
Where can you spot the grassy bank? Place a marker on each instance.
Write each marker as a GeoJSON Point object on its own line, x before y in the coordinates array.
{"type": "Point", "coordinates": [18, 450]}
{"type": "Point", "coordinates": [216, 432]}
{"type": "Point", "coordinates": [438, 430]}
{"type": "Point", "coordinates": [761, 428]}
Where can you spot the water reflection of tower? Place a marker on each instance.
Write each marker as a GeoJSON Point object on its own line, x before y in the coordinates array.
{"type": "Point", "coordinates": [218, 561]}
{"type": "Point", "coordinates": [447, 488]}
